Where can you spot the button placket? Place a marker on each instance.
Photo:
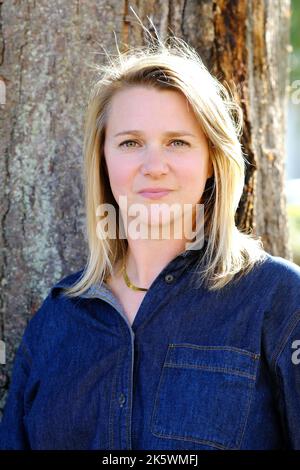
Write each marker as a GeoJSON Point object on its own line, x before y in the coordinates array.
{"type": "Point", "coordinates": [122, 399]}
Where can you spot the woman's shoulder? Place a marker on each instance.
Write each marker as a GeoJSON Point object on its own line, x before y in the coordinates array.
{"type": "Point", "coordinates": [47, 314]}
{"type": "Point", "coordinates": [277, 283]}
{"type": "Point", "coordinates": [277, 270]}
{"type": "Point", "coordinates": [66, 281]}
{"type": "Point", "coordinates": [275, 279]}
{"type": "Point", "coordinates": [283, 266]}
{"type": "Point", "coordinates": [273, 287]}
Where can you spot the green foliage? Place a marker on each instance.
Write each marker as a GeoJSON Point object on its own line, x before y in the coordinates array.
{"type": "Point", "coordinates": [295, 24]}
{"type": "Point", "coordinates": [295, 41]}
{"type": "Point", "coordinates": [293, 211]}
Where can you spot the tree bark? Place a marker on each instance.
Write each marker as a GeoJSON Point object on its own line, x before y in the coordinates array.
{"type": "Point", "coordinates": [44, 49]}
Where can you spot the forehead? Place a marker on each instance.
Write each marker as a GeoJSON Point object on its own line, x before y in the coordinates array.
{"type": "Point", "coordinates": [136, 106]}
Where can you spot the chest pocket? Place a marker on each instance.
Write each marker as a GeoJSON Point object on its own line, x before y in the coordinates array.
{"type": "Point", "coordinates": [204, 394]}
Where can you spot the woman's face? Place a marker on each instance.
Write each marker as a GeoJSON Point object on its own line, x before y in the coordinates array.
{"type": "Point", "coordinates": [153, 140]}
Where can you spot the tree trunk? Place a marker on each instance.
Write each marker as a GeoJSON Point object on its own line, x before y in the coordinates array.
{"type": "Point", "coordinates": [44, 48]}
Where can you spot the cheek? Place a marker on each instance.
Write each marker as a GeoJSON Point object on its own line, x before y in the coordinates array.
{"type": "Point", "coordinates": [193, 177]}
{"type": "Point", "coordinates": [119, 176]}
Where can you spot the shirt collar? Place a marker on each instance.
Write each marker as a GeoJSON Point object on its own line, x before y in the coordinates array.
{"type": "Point", "coordinates": [102, 290]}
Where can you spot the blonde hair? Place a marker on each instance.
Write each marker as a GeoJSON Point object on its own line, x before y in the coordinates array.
{"type": "Point", "coordinates": [164, 64]}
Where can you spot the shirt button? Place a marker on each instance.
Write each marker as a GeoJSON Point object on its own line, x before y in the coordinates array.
{"type": "Point", "coordinates": [169, 278]}
{"type": "Point", "coordinates": [122, 399]}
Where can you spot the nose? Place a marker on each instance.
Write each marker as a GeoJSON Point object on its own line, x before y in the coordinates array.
{"type": "Point", "coordinates": [154, 163]}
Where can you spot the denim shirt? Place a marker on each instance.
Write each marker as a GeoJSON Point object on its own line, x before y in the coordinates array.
{"type": "Point", "coordinates": [196, 370]}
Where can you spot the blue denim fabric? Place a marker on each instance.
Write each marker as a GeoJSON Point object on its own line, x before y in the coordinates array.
{"type": "Point", "coordinates": [197, 369]}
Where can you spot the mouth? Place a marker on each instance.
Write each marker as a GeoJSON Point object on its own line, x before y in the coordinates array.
{"type": "Point", "coordinates": [154, 194]}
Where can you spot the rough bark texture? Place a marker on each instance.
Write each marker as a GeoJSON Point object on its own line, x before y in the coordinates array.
{"type": "Point", "coordinates": [44, 48]}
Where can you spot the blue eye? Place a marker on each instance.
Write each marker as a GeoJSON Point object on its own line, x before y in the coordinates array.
{"type": "Point", "coordinates": [182, 141]}
{"type": "Point", "coordinates": [126, 142]}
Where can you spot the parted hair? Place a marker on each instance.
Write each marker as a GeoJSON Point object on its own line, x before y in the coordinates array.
{"type": "Point", "coordinates": [170, 64]}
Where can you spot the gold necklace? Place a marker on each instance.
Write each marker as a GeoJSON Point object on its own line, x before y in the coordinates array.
{"type": "Point", "coordinates": [128, 282]}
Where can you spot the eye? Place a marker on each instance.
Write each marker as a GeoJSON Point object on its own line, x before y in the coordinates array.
{"type": "Point", "coordinates": [181, 141]}
{"type": "Point", "coordinates": [126, 142]}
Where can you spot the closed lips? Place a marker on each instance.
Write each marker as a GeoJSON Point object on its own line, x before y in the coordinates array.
{"type": "Point", "coordinates": [154, 190]}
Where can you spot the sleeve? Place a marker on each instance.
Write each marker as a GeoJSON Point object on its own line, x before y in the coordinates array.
{"type": "Point", "coordinates": [12, 432]}
{"type": "Point", "coordinates": [287, 373]}
{"type": "Point", "coordinates": [13, 435]}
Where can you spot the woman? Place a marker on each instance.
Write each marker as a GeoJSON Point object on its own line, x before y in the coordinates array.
{"type": "Point", "coordinates": [162, 342]}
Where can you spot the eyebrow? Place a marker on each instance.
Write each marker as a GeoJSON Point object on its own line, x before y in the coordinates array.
{"type": "Point", "coordinates": [168, 133]}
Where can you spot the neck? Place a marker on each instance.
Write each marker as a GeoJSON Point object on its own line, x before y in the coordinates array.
{"type": "Point", "coordinates": [147, 258]}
